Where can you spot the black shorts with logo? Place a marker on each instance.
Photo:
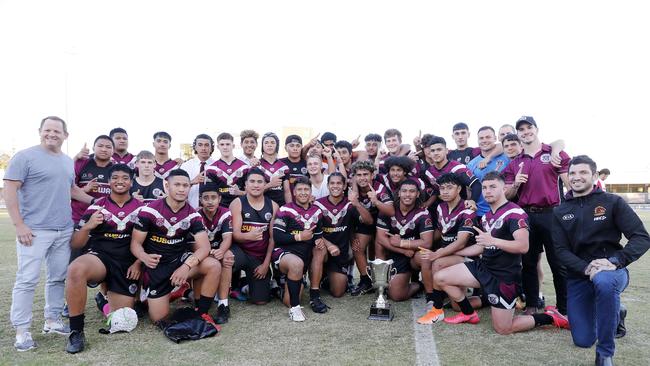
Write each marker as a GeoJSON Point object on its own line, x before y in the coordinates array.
{"type": "Point", "coordinates": [116, 270]}
{"type": "Point", "coordinates": [498, 293]}
{"type": "Point", "coordinates": [401, 262]}
{"type": "Point", "coordinates": [160, 283]}
{"type": "Point", "coordinates": [339, 264]}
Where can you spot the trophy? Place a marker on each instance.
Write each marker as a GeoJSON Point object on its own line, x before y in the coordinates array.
{"type": "Point", "coordinates": [381, 271]}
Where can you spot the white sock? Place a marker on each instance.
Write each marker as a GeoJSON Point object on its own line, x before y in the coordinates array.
{"type": "Point", "coordinates": [223, 302]}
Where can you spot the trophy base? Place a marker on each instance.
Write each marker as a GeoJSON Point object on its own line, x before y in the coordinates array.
{"type": "Point", "coordinates": [384, 314]}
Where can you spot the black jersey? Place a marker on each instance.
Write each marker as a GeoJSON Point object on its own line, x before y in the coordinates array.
{"type": "Point", "coordinates": [218, 227]}
{"type": "Point", "coordinates": [451, 222]}
{"type": "Point", "coordinates": [253, 219]}
{"type": "Point", "coordinates": [276, 169]}
{"type": "Point", "coordinates": [85, 171]}
{"type": "Point", "coordinates": [151, 192]}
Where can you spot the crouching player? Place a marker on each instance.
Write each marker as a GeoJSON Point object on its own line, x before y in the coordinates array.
{"type": "Point", "coordinates": [105, 229]}
{"type": "Point", "coordinates": [455, 227]}
{"type": "Point", "coordinates": [401, 235]}
{"type": "Point", "coordinates": [501, 240]}
{"type": "Point", "coordinates": [218, 222]}
{"type": "Point", "coordinates": [160, 242]}
{"type": "Point", "coordinates": [341, 216]}
{"type": "Point", "coordinates": [296, 230]}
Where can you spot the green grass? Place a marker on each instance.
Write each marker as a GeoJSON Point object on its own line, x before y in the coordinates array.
{"type": "Point", "coordinates": [259, 335]}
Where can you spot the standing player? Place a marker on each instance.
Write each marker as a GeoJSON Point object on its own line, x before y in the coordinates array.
{"type": "Point", "coordinates": [229, 173]}
{"type": "Point", "coordinates": [602, 176]}
{"type": "Point", "coordinates": [105, 230]}
{"type": "Point", "coordinates": [252, 217]}
{"type": "Point", "coordinates": [533, 179]}
{"type": "Point", "coordinates": [393, 141]}
{"type": "Point", "coordinates": [463, 153]}
{"type": "Point", "coordinates": [375, 197]}
{"type": "Point", "coordinates": [121, 143]}
{"type": "Point", "coordinates": [316, 177]}
{"type": "Point", "coordinates": [506, 129]}
{"type": "Point", "coordinates": [502, 239]}
{"type": "Point", "coordinates": [343, 155]}
{"type": "Point", "coordinates": [371, 149]}
{"type": "Point", "coordinates": [296, 230]}
{"type": "Point", "coordinates": [249, 145]}
{"type": "Point", "coordinates": [203, 147]}
{"type": "Point", "coordinates": [160, 241]}
{"type": "Point", "coordinates": [401, 235]}
{"type": "Point", "coordinates": [161, 144]}
{"type": "Point", "coordinates": [455, 223]}
{"type": "Point", "coordinates": [341, 216]}
{"type": "Point", "coordinates": [275, 170]}
{"type": "Point", "coordinates": [297, 165]}
{"type": "Point", "coordinates": [146, 186]}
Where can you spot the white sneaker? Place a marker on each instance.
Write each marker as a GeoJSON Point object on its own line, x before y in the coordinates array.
{"type": "Point", "coordinates": [56, 326]}
{"type": "Point", "coordinates": [24, 342]}
{"type": "Point", "coordinates": [296, 314]}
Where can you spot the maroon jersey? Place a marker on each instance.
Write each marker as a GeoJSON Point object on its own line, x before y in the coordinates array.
{"type": "Point", "coordinates": [276, 169]}
{"type": "Point", "coordinates": [541, 189]}
{"type": "Point", "coordinates": [431, 175]}
{"type": "Point", "coordinates": [501, 224]}
{"type": "Point", "coordinates": [162, 170]}
{"type": "Point", "coordinates": [383, 195]}
{"type": "Point", "coordinates": [290, 220]}
{"type": "Point", "coordinates": [86, 170]}
{"type": "Point", "coordinates": [113, 235]}
{"type": "Point", "coordinates": [463, 156]}
{"type": "Point", "coordinates": [218, 227]}
{"type": "Point", "coordinates": [128, 159]}
{"type": "Point", "coordinates": [452, 222]}
{"type": "Point", "coordinates": [226, 175]}
{"type": "Point", "coordinates": [253, 219]}
{"type": "Point", "coordinates": [409, 226]}
{"type": "Point", "coordinates": [339, 222]}
{"type": "Point", "coordinates": [167, 231]}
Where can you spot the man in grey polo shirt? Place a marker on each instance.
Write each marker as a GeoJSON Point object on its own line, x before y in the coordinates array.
{"type": "Point", "coordinates": [38, 185]}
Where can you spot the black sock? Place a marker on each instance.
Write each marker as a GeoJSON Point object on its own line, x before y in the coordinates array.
{"type": "Point", "coordinates": [365, 279]}
{"type": "Point", "coordinates": [465, 306]}
{"type": "Point", "coordinates": [77, 322]}
{"type": "Point", "coordinates": [428, 297]}
{"type": "Point", "coordinates": [438, 298]}
{"type": "Point", "coordinates": [542, 319]}
{"type": "Point", "coordinates": [294, 291]}
{"type": "Point", "coordinates": [203, 304]}
{"type": "Point", "coordinates": [314, 293]}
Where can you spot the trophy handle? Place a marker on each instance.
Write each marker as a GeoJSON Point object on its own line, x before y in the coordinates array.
{"type": "Point", "coordinates": [392, 273]}
{"type": "Point", "coordinates": [369, 272]}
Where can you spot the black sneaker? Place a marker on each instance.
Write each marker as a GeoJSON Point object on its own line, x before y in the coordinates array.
{"type": "Point", "coordinates": [541, 302]}
{"type": "Point", "coordinates": [101, 301]}
{"type": "Point", "coordinates": [76, 342]}
{"type": "Point", "coordinates": [362, 288]}
{"type": "Point", "coordinates": [318, 306]}
{"type": "Point", "coordinates": [620, 328]}
{"type": "Point", "coordinates": [223, 313]}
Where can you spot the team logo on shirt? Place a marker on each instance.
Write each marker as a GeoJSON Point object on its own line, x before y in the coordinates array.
{"type": "Point", "coordinates": [493, 299]}
{"type": "Point", "coordinates": [272, 169]}
{"type": "Point", "coordinates": [161, 170]}
{"type": "Point", "coordinates": [468, 222]}
{"type": "Point", "coordinates": [599, 211]}
{"type": "Point", "coordinates": [87, 176]}
{"type": "Point", "coordinates": [267, 216]}
{"type": "Point", "coordinates": [160, 221]}
{"type": "Point", "coordinates": [228, 170]}
{"type": "Point", "coordinates": [303, 170]}
{"type": "Point", "coordinates": [185, 225]}
{"type": "Point", "coordinates": [101, 176]}
{"type": "Point", "coordinates": [173, 220]}
{"type": "Point", "coordinates": [107, 216]}
{"type": "Point", "coordinates": [545, 158]}
{"type": "Point", "coordinates": [157, 192]}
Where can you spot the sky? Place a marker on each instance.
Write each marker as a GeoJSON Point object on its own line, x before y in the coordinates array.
{"type": "Point", "coordinates": [352, 67]}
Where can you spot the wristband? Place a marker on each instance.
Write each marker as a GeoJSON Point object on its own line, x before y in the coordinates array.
{"type": "Point", "coordinates": [191, 261]}
{"type": "Point", "coordinates": [188, 266]}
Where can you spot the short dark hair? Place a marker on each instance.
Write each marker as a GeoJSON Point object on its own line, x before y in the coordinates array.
{"type": "Point", "coordinates": [336, 175]}
{"type": "Point", "coordinates": [436, 140]}
{"type": "Point", "coordinates": [162, 134]}
{"type": "Point", "coordinates": [343, 145]}
{"type": "Point", "coordinates": [494, 175]}
{"type": "Point", "coordinates": [409, 182]}
{"type": "Point", "coordinates": [256, 171]}
{"type": "Point", "coordinates": [117, 130]}
{"type": "Point", "coordinates": [177, 173]}
{"type": "Point", "coordinates": [203, 136]}
{"type": "Point", "coordinates": [120, 168]}
{"type": "Point", "coordinates": [404, 162]}
{"type": "Point", "coordinates": [104, 137]}
{"type": "Point", "coordinates": [510, 137]}
{"type": "Point", "coordinates": [392, 132]}
{"type": "Point", "coordinates": [55, 118]}
{"type": "Point", "coordinates": [301, 180]}
{"type": "Point", "coordinates": [449, 178]}
{"type": "Point", "coordinates": [604, 171]}
{"type": "Point", "coordinates": [327, 136]}
{"type": "Point", "coordinates": [225, 136]}
{"type": "Point", "coordinates": [486, 128]}
{"type": "Point", "coordinates": [584, 159]}
{"type": "Point", "coordinates": [209, 187]}
{"type": "Point", "coordinates": [460, 126]}
{"type": "Point", "coordinates": [291, 139]}
{"type": "Point", "coordinates": [362, 165]}
{"type": "Point", "coordinates": [373, 137]}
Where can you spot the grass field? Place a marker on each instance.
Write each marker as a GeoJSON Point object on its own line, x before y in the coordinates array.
{"type": "Point", "coordinates": [259, 335]}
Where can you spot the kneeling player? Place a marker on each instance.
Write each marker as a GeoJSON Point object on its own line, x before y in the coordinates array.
{"type": "Point", "coordinates": [401, 236]}
{"type": "Point", "coordinates": [296, 230]}
{"type": "Point", "coordinates": [501, 240]}
{"type": "Point", "coordinates": [341, 216]}
{"type": "Point", "coordinates": [105, 228]}
{"type": "Point", "coordinates": [160, 242]}
{"type": "Point", "coordinates": [455, 224]}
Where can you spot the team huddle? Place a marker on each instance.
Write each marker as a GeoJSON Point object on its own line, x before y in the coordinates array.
{"type": "Point", "coordinates": [464, 227]}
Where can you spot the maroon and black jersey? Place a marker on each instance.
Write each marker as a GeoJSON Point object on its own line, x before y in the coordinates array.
{"type": "Point", "coordinates": [276, 169]}
{"type": "Point", "coordinates": [219, 226]}
{"type": "Point", "coordinates": [296, 170]}
{"type": "Point", "coordinates": [502, 224]}
{"type": "Point", "coordinates": [468, 179]}
{"type": "Point", "coordinates": [150, 192]}
{"type": "Point", "coordinates": [226, 175]}
{"type": "Point", "coordinates": [86, 170]}
{"type": "Point", "coordinates": [128, 159]}
{"type": "Point", "coordinates": [290, 220]}
{"type": "Point", "coordinates": [452, 222]}
{"type": "Point", "coordinates": [463, 156]}
{"type": "Point", "coordinates": [409, 226]}
{"type": "Point", "coordinates": [167, 230]}
{"type": "Point", "coordinates": [383, 195]}
{"type": "Point", "coordinates": [113, 236]}
{"type": "Point", "coordinates": [339, 222]}
{"type": "Point", "coordinates": [162, 170]}
{"type": "Point", "coordinates": [253, 219]}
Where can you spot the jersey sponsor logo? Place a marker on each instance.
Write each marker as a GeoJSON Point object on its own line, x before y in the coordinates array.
{"type": "Point", "coordinates": [88, 176]}
{"type": "Point", "coordinates": [600, 218]}
{"type": "Point", "coordinates": [545, 158]}
{"type": "Point", "coordinates": [338, 229]}
{"type": "Point", "coordinates": [599, 211]}
{"type": "Point", "coordinates": [116, 236]}
{"type": "Point", "coordinates": [247, 215]}
{"type": "Point", "coordinates": [173, 220]}
{"type": "Point", "coordinates": [120, 214]}
{"type": "Point", "coordinates": [568, 217]}
{"type": "Point", "coordinates": [162, 240]}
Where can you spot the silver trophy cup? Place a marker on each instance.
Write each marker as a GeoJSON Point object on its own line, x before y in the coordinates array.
{"type": "Point", "coordinates": [381, 272]}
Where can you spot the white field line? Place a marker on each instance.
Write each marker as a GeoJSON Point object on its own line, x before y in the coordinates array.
{"type": "Point", "coordinates": [426, 352]}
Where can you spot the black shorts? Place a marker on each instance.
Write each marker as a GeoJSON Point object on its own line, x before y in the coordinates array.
{"type": "Point", "coordinates": [499, 294]}
{"type": "Point", "coordinates": [366, 229]}
{"type": "Point", "coordinates": [160, 283]}
{"type": "Point", "coordinates": [339, 264]}
{"type": "Point", "coordinates": [401, 262]}
{"type": "Point", "coordinates": [278, 253]}
{"type": "Point", "coordinates": [259, 290]}
{"type": "Point", "coordinates": [116, 270]}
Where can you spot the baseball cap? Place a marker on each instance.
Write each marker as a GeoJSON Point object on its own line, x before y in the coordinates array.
{"type": "Point", "coordinates": [525, 119]}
